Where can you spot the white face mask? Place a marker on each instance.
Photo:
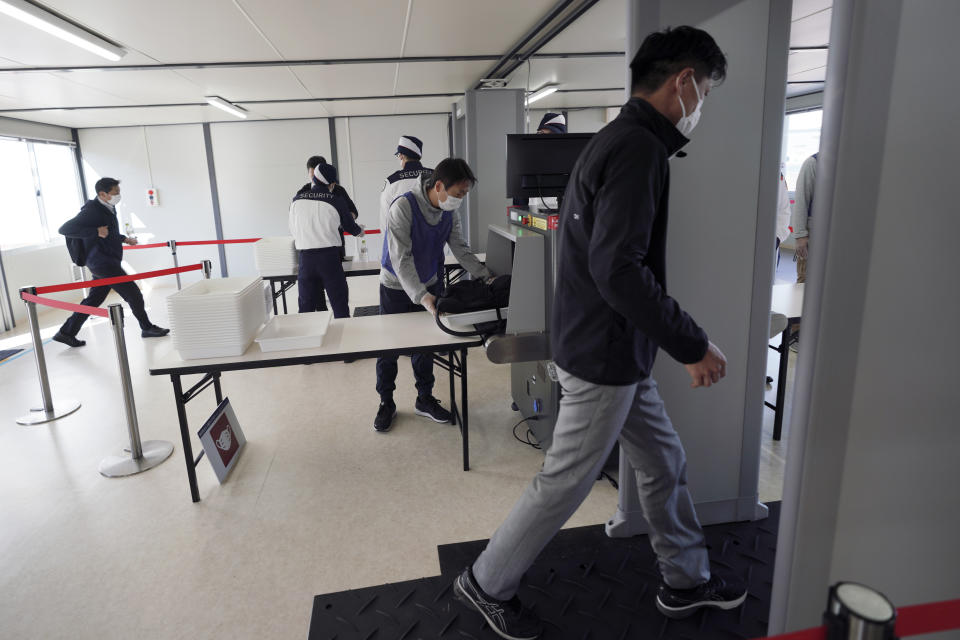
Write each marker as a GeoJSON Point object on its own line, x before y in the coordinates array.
{"type": "Point", "coordinates": [450, 203]}
{"type": "Point", "coordinates": [686, 124]}
{"type": "Point", "coordinates": [114, 200]}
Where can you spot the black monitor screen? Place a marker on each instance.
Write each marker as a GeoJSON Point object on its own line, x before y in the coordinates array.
{"type": "Point", "coordinates": [539, 164]}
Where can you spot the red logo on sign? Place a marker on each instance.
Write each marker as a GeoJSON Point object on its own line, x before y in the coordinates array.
{"type": "Point", "coordinates": [225, 439]}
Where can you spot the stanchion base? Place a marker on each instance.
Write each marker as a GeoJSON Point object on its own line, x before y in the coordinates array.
{"type": "Point", "coordinates": [154, 453]}
{"type": "Point", "coordinates": [61, 409]}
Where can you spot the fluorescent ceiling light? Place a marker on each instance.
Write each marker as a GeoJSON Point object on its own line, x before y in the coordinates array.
{"type": "Point", "coordinates": [229, 107]}
{"type": "Point", "coordinates": [56, 26]}
{"type": "Point", "coordinates": [542, 92]}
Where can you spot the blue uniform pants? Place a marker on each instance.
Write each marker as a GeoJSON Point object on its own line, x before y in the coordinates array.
{"type": "Point", "coordinates": [321, 270]}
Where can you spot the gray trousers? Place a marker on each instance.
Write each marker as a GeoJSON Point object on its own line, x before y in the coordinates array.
{"type": "Point", "coordinates": [592, 417]}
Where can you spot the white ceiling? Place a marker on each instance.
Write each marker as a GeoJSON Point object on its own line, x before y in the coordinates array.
{"type": "Point", "coordinates": [231, 31]}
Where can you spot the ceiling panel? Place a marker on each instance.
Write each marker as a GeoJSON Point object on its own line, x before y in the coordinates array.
{"type": "Point", "coordinates": [803, 89]}
{"type": "Point", "coordinates": [571, 73]}
{"type": "Point", "coordinates": [174, 30]}
{"type": "Point", "coordinates": [360, 107]}
{"type": "Point", "coordinates": [291, 110]}
{"type": "Point", "coordinates": [24, 45]}
{"type": "Point", "coordinates": [804, 8]}
{"type": "Point", "coordinates": [128, 117]}
{"type": "Point", "coordinates": [35, 89]}
{"type": "Point", "coordinates": [818, 75]}
{"type": "Point", "coordinates": [468, 27]}
{"type": "Point", "coordinates": [436, 77]}
{"type": "Point", "coordinates": [811, 31]}
{"type": "Point", "coordinates": [348, 80]}
{"type": "Point", "coordinates": [581, 99]}
{"type": "Point", "coordinates": [300, 28]}
{"type": "Point", "coordinates": [601, 28]}
{"type": "Point", "coordinates": [423, 105]}
{"type": "Point", "coordinates": [237, 85]}
{"type": "Point", "coordinates": [800, 61]}
{"type": "Point", "coordinates": [136, 87]}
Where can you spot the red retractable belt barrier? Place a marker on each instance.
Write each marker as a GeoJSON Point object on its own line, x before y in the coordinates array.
{"type": "Point", "coordinates": [128, 247]}
{"type": "Point", "coordinates": [911, 621]}
{"type": "Point", "coordinates": [188, 243]}
{"type": "Point", "coordinates": [116, 280]}
{"type": "Point", "coordinates": [69, 306]}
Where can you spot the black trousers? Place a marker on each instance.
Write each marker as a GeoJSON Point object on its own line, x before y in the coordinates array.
{"type": "Point", "coordinates": [321, 270]}
{"type": "Point", "coordinates": [397, 301]}
{"type": "Point", "coordinates": [129, 291]}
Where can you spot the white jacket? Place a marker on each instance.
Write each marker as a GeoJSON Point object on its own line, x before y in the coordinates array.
{"type": "Point", "coordinates": [397, 184]}
{"type": "Point", "coordinates": [315, 220]}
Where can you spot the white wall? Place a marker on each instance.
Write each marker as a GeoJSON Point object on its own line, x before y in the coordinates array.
{"type": "Point", "coordinates": [260, 166]}
{"type": "Point", "coordinates": [37, 267]}
{"type": "Point", "coordinates": [365, 147]}
{"type": "Point", "coordinates": [170, 159]}
{"type": "Point", "coordinates": [871, 487]}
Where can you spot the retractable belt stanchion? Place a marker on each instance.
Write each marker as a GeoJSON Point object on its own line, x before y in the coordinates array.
{"type": "Point", "coordinates": [47, 412]}
{"type": "Point", "coordinates": [176, 264]}
{"type": "Point", "coordinates": [207, 268]}
{"type": "Point", "coordinates": [145, 455]}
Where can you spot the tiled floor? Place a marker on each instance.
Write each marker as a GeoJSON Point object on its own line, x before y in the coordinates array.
{"type": "Point", "coordinates": [319, 502]}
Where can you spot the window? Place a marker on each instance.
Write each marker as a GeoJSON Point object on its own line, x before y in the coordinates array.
{"type": "Point", "coordinates": [802, 140]}
{"type": "Point", "coordinates": [40, 188]}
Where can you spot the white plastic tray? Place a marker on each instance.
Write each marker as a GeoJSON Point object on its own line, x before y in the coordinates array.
{"type": "Point", "coordinates": [474, 317]}
{"type": "Point", "coordinates": [294, 331]}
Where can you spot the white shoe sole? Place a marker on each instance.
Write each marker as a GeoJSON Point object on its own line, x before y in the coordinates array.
{"type": "Point", "coordinates": [461, 594]}
{"type": "Point", "coordinates": [682, 612]}
{"type": "Point", "coordinates": [427, 415]}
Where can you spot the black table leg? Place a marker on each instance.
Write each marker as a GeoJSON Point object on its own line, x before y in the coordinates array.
{"type": "Point", "coordinates": [216, 388]}
{"type": "Point", "coordinates": [283, 294]}
{"type": "Point", "coordinates": [273, 295]}
{"type": "Point", "coordinates": [185, 437]}
{"type": "Point", "coordinates": [464, 413]}
{"type": "Point", "coordinates": [782, 381]}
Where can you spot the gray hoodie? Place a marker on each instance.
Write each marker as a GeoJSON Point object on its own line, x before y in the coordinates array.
{"type": "Point", "coordinates": [399, 223]}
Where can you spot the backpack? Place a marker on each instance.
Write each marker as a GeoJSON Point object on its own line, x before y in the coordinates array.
{"type": "Point", "coordinates": [476, 295]}
{"type": "Point", "coordinates": [78, 251]}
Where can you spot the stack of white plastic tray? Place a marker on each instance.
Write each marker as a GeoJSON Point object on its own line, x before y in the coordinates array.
{"type": "Point", "coordinates": [294, 331]}
{"type": "Point", "coordinates": [275, 256]}
{"type": "Point", "coordinates": [216, 318]}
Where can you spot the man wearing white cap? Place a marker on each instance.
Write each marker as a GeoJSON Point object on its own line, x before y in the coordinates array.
{"type": "Point", "coordinates": [409, 152]}
{"type": "Point", "coordinates": [315, 220]}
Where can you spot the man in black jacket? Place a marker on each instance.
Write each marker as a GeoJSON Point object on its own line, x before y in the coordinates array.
{"type": "Point", "coordinates": [96, 226]}
{"type": "Point", "coordinates": [611, 314]}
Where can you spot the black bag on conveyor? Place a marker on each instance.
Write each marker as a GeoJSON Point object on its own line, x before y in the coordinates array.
{"type": "Point", "coordinates": [476, 295]}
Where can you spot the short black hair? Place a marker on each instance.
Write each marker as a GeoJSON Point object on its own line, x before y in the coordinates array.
{"type": "Point", "coordinates": [106, 185]}
{"type": "Point", "coordinates": [664, 53]}
{"type": "Point", "coordinates": [313, 161]}
{"type": "Point", "coordinates": [451, 171]}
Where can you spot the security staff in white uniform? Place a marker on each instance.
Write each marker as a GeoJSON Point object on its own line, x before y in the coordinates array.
{"type": "Point", "coordinates": [409, 152]}
{"type": "Point", "coordinates": [315, 219]}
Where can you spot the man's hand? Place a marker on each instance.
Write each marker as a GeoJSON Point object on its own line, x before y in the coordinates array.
{"type": "Point", "coordinates": [363, 230]}
{"type": "Point", "coordinates": [802, 250]}
{"type": "Point", "coordinates": [130, 240]}
{"type": "Point", "coordinates": [429, 302]}
{"type": "Point", "coordinates": [103, 232]}
{"type": "Point", "coordinates": [709, 370]}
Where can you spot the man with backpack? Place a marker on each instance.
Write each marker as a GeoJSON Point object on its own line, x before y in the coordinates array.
{"type": "Point", "coordinates": [94, 240]}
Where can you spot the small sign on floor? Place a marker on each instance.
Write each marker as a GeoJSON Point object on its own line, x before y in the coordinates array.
{"type": "Point", "coordinates": [222, 440]}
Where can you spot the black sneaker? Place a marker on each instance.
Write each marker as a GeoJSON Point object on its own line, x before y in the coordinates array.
{"type": "Point", "coordinates": [716, 592]}
{"type": "Point", "coordinates": [70, 341]}
{"type": "Point", "coordinates": [154, 332]}
{"type": "Point", "coordinates": [429, 407]}
{"type": "Point", "coordinates": [508, 618]}
{"type": "Point", "coordinates": [385, 415]}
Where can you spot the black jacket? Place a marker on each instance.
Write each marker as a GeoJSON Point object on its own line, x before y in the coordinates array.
{"type": "Point", "coordinates": [337, 191]}
{"type": "Point", "coordinates": [103, 255]}
{"type": "Point", "coordinates": [611, 310]}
